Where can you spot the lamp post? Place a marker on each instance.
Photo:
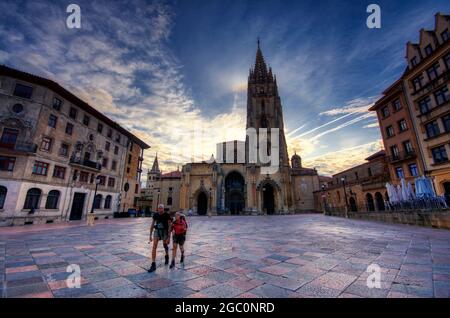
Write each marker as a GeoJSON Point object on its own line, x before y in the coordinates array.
{"type": "Point", "coordinates": [324, 202]}
{"type": "Point", "coordinates": [91, 216]}
{"type": "Point", "coordinates": [345, 195]}
{"type": "Point", "coordinates": [210, 203]}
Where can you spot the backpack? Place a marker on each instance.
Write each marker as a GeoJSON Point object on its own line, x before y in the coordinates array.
{"type": "Point", "coordinates": [179, 227]}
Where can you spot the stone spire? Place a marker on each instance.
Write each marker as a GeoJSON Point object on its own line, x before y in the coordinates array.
{"type": "Point", "coordinates": [155, 167]}
{"type": "Point", "coordinates": [260, 74]}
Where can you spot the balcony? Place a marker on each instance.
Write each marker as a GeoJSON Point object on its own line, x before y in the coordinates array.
{"type": "Point", "coordinates": [86, 163]}
{"type": "Point", "coordinates": [402, 156]}
{"type": "Point", "coordinates": [19, 147]}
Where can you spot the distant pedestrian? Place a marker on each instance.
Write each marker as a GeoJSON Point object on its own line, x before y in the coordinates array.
{"type": "Point", "coordinates": [179, 228]}
{"type": "Point", "coordinates": [159, 231]}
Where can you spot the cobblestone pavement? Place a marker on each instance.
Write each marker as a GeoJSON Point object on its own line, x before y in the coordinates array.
{"type": "Point", "coordinates": [267, 256]}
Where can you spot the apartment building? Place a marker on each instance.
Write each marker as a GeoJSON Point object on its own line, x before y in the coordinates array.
{"type": "Point", "coordinates": [55, 149]}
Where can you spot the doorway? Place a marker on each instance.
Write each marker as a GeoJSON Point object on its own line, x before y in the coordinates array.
{"type": "Point", "coordinates": [76, 212]}
{"type": "Point", "coordinates": [202, 203]}
{"type": "Point", "coordinates": [268, 199]}
{"type": "Point", "coordinates": [447, 192]}
{"type": "Point", "coordinates": [234, 192]}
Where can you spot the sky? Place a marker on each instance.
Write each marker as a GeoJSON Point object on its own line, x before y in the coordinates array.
{"type": "Point", "coordinates": [175, 72]}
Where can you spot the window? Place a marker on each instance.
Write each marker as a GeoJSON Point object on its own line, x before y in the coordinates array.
{"type": "Point", "coordinates": [413, 170]}
{"type": "Point", "coordinates": [107, 146]}
{"type": "Point", "coordinates": [52, 120]}
{"type": "Point", "coordinates": [136, 188]}
{"type": "Point", "coordinates": [369, 171]}
{"type": "Point", "coordinates": [113, 165]}
{"type": "Point", "coordinates": [445, 35]}
{"type": "Point", "coordinates": [446, 123]}
{"type": "Point", "coordinates": [75, 175]}
{"type": "Point", "coordinates": [105, 162]}
{"type": "Point", "coordinates": [432, 129]}
{"type": "Point", "coordinates": [59, 172]}
{"type": "Point", "coordinates": [102, 180]}
{"type": "Point", "coordinates": [86, 120]}
{"type": "Point", "coordinates": [64, 150]}
{"type": "Point", "coordinates": [69, 129]}
{"type": "Point", "coordinates": [100, 128]}
{"type": "Point", "coordinates": [129, 159]}
{"type": "Point", "coordinates": [98, 201]}
{"type": "Point", "coordinates": [447, 60]}
{"type": "Point", "coordinates": [385, 112]}
{"type": "Point", "coordinates": [40, 168]}
{"type": "Point", "coordinates": [118, 138]}
{"type": "Point", "coordinates": [428, 50]}
{"type": "Point", "coordinates": [9, 137]}
{"type": "Point", "coordinates": [131, 145]}
{"type": "Point", "coordinates": [402, 125]}
{"type": "Point", "coordinates": [116, 150]}
{"type": "Point", "coordinates": [414, 61]}
{"type": "Point", "coordinates": [3, 192]}
{"type": "Point", "coordinates": [52, 200]}
{"type": "Point", "coordinates": [397, 105]}
{"type": "Point", "coordinates": [433, 72]}
{"type": "Point", "coordinates": [394, 152]}
{"type": "Point", "coordinates": [108, 200]}
{"type": "Point", "coordinates": [417, 82]}
{"type": "Point", "coordinates": [169, 201]}
{"type": "Point", "coordinates": [46, 144]}
{"type": "Point", "coordinates": [399, 172]}
{"type": "Point", "coordinates": [84, 176]}
{"type": "Point", "coordinates": [23, 91]}
{"type": "Point", "coordinates": [439, 154]}
{"type": "Point", "coordinates": [73, 113]}
{"type": "Point", "coordinates": [407, 145]}
{"type": "Point", "coordinates": [32, 199]}
{"type": "Point", "coordinates": [441, 95]}
{"type": "Point", "coordinates": [389, 131]}
{"type": "Point", "coordinates": [57, 103]}
{"type": "Point", "coordinates": [425, 105]}
{"type": "Point", "coordinates": [109, 134]}
{"type": "Point", "coordinates": [356, 175]}
{"type": "Point", "coordinates": [111, 182]}
{"type": "Point", "coordinates": [17, 108]}
{"type": "Point", "coordinates": [7, 163]}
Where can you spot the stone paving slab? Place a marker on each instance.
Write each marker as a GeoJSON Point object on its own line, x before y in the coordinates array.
{"type": "Point", "coordinates": [282, 256]}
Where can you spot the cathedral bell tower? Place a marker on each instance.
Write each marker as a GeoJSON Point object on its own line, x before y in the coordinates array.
{"type": "Point", "coordinates": [264, 108]}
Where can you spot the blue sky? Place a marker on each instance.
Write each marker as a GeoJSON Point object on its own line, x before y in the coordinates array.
{"type": "Point", "coordinates": [165, 68]}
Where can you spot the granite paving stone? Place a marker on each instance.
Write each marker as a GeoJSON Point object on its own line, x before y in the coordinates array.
{"type": "Point", "coordinates": [309, 255]}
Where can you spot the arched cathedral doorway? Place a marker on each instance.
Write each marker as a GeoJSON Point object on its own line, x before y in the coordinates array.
{"type": "Point", "coordinates": [268, 199]}
{"type": "Point", "coordinates": [202, 203]}
{"type": "Point", "coordinates": [234, 192]}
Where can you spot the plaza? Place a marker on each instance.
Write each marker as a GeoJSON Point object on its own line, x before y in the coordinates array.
{"type": "Point", "coordinates": [297, 256]}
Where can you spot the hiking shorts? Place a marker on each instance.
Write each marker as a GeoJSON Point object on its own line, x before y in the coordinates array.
{"type": "Point", "coordinates": [179, 239]}
{"type": "Point", "coordinates": [160, 234]}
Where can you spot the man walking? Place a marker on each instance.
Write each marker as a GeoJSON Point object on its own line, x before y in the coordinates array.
{"type": "Point", "coordinates": [159, 231]}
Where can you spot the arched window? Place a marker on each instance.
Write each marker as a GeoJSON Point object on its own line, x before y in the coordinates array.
{"type": "Point", "coordinates": [32, 199]}
{"type": "Point", "coordinates": [108, 202]}
{"type": "Point", "coordinates": [370, 202]}
{"type": "Point", "coordinates": [52, 200]}
{"type": "Point", "coordinates": [169, 201]}
{"type": "Point", "coordinates": [3, 192]}
{"type": "Point", "coordinates": [97, 201]}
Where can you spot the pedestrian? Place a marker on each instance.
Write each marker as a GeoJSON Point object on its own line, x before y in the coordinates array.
{"type": "Point", "coordinates": [179, 228]}
{"type": "Point", "coordinates": [159, 231]}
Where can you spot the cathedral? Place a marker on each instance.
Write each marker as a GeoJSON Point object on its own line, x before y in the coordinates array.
{"type": "Point", "coordinates": [235, 184]}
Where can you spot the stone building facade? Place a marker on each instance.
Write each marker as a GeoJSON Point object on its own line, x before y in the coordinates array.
{"type": "Point", "coordinates": [161, 188]}
{"type": "Point", "coordinates": [54, 148]}
{"type": "Point", "coordinates": [246, 184]}
{"type": "Point", "coordinates": [358, 189]}
{"type": "Point", "coordinates": [423, 92]}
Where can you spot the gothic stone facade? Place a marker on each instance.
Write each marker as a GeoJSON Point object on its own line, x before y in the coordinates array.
{"type": "Point", "coordinates": [235, 187]}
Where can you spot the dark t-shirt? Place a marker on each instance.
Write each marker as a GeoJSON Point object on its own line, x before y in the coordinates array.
{"type": "Point", "coordinates": [162, 221]}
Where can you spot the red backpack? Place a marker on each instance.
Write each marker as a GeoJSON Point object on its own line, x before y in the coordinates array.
{"type": "Point", "coordinates": [180, 227]}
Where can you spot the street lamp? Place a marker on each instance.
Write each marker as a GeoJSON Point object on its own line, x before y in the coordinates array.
{"type": "Point", "coordinates": [210, 203]}
{"type": "Point", "coordinates": [345, 195]}
{"type": "Point", "coordinates": [324, 202]}
{"type": "Point", "coordinates": [91, 216]}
